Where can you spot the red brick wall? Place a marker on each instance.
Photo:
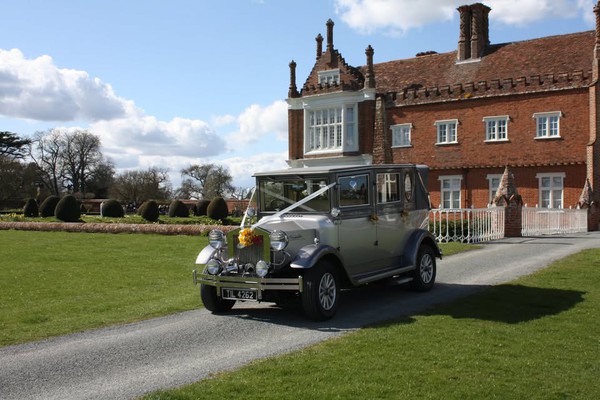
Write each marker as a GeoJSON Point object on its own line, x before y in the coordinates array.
{"type": "Point", "coordinates": [474, 159]}
{"type": "Point", "coordinates": [295, 134]}
{"type": "Point", "coordinates": [475, 185]}
{"type": "Point", "coordinates": [472, 150]}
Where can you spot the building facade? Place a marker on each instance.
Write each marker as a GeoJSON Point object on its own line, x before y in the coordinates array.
{"type": "Point", "coordinates": [467, 114]}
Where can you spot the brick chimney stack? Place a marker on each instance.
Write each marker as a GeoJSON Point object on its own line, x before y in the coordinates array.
{"type": "Point", "coordinates": [474, 31]}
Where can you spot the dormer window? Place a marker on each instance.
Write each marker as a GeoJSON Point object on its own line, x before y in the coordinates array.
{"type": "Point", "coordinates": [330, 77]}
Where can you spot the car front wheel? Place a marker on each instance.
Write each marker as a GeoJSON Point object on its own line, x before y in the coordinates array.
{"type": "Point", "coordinates": [424, 275]}
{"type": "Point", "coordinates": [212, 302]}
{"type": "Point", "coordinates": [321, 291]}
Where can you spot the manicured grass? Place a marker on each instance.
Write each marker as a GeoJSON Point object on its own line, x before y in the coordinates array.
{"type": "Point", "coordinates": [451, 248]}
{"type": "Point", "coordinates": [534, 338]}
{"type": "Point", "coordinates": [53, 283]}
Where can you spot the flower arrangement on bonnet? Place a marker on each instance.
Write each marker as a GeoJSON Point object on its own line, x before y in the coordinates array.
{"type": "Point", "coordinates": [247, 238]}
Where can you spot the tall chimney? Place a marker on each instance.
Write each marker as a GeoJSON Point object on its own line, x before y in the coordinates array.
{"type": "Point", "coordinates": [464, 38]}
{"type": "Point", "coordinates": [474, 31]}
{"type": "Point", "coordinates": [480, 36]}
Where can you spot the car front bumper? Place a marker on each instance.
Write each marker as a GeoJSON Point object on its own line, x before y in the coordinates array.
{"type": "Point", "coordinates": [248, 283]}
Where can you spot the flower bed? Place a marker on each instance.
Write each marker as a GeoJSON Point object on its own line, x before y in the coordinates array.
{"type": "Point", "coordinates": [161, 229]}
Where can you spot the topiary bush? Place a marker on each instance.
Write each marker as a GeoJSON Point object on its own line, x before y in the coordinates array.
{"type": "Point", "coordinates": [201, 207]}
{"type": "Point", "coordinates": [149, 211]}
{"type": "Point", "coordinates": [111, 208]}
{"type": "Point", "coordinates": [217, 209]}
{"type": "Point", "coordinates": [31, 208]}
{"type": "Point", "coordinates": [178, 209]}
{"type": "Point", "coordinates": [48, 206]}
{"type": "Point", "coordinates": [68, 209]}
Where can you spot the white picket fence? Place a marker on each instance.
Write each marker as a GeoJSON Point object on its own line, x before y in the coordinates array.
{"type": "Point", "coordinates": [467, 225]}
{"type": "Point", "coordinates": [474, 225]}
{"type": "Point", "coordinates": [553, 221]}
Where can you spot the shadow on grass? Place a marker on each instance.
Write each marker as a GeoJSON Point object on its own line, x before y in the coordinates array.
{"type": "Point", "coordinates": [512, 304]}
{"type": "Point", "coordinates": [383, 304]}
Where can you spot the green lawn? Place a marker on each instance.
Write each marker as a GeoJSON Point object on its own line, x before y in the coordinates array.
{"type": "Point", "coordinates": [53, 283]}
{"type": "Point", "coordinates": [534, 338]}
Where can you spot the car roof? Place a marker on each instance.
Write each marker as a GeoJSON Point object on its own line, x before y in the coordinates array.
{"type": "Point", "coordinates": [326, 169]}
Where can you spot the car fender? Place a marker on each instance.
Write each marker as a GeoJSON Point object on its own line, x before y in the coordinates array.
{"type": "Point", "coordinates": [308, 256]}
{"type": "Point", "coordinates": [418, 237]}
{"type": "Point", "coordinates": [205, 255]}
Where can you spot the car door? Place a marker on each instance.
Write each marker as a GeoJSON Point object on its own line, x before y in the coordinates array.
{"type": "Point", "coordinates": [357, 228]}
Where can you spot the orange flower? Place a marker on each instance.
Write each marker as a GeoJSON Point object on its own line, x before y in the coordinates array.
{"type": "Point", "coordinates": [246, 237]}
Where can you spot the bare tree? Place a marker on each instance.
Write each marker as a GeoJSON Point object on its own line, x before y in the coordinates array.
{"type": "Point", "coordinates": [81, 157]}
{"type": "Point", "coordinates": [138, 186]}
{"type": "Point", "coordinates": [206, 181]}
{"type": "Point", "coordinates": [67, 160]}
{"type": "Point", "coordinates": [46, 153]}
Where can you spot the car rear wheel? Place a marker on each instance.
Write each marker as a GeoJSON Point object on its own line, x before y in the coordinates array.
{"type": "Point", "coordinates": [321, 291]}
{"type": "Point", "coordinates": [424, 275]}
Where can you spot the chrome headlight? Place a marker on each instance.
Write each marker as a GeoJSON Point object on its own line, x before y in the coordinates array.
{"type": "Point", "coordinates": [216, 239]}
{"type": "Point", "coordinates": [262, 268]}
{"type": "Point", "coordinates": [279, 240]}
{"type": "Point", "coordinates": [213, 266]}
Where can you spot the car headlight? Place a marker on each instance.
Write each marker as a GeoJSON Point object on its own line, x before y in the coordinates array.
{"type": "Point", "coordinates": [213, 266]}
{"type": "Point", "coordinates": [216, 239]}
{"type": "Point", "coordinates": [279, 240]}
{"type": "Point", "coordinates": [262, 268]}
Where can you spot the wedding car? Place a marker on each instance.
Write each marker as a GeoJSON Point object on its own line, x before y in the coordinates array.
{"type": "Point", "coordinates": [317, 230]}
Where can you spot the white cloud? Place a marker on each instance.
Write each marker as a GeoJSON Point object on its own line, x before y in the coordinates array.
{"type": "Point", "coordinates": [242, 168]}
{"type": "Point", "coordinates": [256, 122]}
{"type": "Point", "coordinates": [147, 135]}
{"type": "Point", "coordinates": [521, 12]}
{"type": "Point", "coordinates": [397, 16]}
{"type": "Point", "coordinates": [393, 16]}
{"type": "Point", "coordinates": [36, 89]}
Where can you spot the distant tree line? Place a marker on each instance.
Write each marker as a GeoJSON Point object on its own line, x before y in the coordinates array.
{"type": "Point", "coordinates": [59, 161]}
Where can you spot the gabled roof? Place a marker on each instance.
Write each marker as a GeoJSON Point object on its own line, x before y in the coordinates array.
{"type": "Point", "coordinates": [545, 64]}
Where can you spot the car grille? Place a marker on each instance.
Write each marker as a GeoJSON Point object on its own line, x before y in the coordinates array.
{"type": "Point", "coordinates": [260, 250]}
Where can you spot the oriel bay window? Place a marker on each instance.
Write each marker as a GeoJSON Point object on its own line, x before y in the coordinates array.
{"type": "Point", "coordinates": [331, 129]}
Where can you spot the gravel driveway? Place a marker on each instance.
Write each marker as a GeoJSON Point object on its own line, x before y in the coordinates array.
{"type": "Point", "coordinates": [126, 361]}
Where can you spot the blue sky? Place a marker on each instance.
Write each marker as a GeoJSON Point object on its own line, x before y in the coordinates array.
{"type": "Point", "coordinates": [170, 83]}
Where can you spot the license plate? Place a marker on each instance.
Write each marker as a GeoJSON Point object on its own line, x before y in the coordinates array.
{"type": "Point", "coordinates": [239, 294]}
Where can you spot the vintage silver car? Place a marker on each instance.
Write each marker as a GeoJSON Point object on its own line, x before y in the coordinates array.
{"type": "Point", "coordinates": [316, 230]}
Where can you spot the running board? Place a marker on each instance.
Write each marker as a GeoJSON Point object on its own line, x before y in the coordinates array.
{"type": "Point", "coordinates": [389, 273]}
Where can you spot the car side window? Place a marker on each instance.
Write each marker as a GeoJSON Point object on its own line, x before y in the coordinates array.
{"type": "Point", "coordinates": [354, 190]}
{"type": "Point", "coordinates": [388, 188]}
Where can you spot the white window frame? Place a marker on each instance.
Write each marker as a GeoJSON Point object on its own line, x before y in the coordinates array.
{"type": "Point", "coordinates": [493, 186]}
{"type": "Point", "coordinates": [331, 129]}
{"type": "Point", "coordinates": [556, 192]}
{"type": "Point", "coordinates": [401, 135]}
{"type": "Point", "coordinates": [447, 131]}
{"type": "Point", "coordinates": [455, 193]}
{"type": "Point", "coordinates": [496, 128]}
{"type": "Point", "coordinates": [547, 125]}
{"type": "Point", "coordinates": [330, 77]}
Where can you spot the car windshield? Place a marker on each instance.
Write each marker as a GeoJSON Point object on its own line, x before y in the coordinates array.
{"type": "Point", "coordinates": [278, 193]}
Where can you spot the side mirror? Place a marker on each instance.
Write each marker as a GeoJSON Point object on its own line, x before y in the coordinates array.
{"type": "Point", "coordinates": [335, 212]}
